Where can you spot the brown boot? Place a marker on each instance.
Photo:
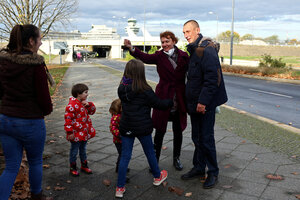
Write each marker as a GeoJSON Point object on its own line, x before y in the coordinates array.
{"type": "Point", "coordinates": [40, 196]}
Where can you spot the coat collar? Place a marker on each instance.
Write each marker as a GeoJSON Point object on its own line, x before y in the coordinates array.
{"type": "Point", "coordinates": [23, 59]}
{"type": "Point", "coordinates": [192, 46]}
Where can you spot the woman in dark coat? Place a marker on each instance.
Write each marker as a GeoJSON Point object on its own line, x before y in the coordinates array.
{"type": "Point", "coordinates": [172, 64]}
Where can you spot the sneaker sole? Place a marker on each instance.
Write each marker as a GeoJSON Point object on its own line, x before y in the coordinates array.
{"type": "Point", "coordinates": [120, 196]}
{"type": "Point", "coordinates": [157, 184]}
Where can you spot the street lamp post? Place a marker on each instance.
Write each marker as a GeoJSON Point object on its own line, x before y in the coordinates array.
{"type": "Point", "coordinates": [213, 13]}
{"type": "Point", "coordinates": [144, 25]}
{"type": "Point", "coordinates": [232, 31]}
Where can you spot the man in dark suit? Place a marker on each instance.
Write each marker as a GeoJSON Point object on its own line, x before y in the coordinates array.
{"type": "Point", "coordinates": [205, 90]}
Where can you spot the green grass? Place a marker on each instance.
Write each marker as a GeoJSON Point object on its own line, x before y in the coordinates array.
{"type": "Point", "coordinates": [259, 132]}
{"type": "Point", "coordinates": [47, 58]}
{"type": "Point", "coordinates": [289, 60]}
{"type": "Point", "coordinates": [57, 73]}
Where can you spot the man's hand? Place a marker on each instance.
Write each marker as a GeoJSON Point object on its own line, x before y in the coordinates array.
{"type": "Point", "coordinates": [127, 44]}
{"type": "Point", "coordinates": [201, 108]}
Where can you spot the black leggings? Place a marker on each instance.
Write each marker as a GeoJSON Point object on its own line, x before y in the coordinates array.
{"type": "Point", "coordinates": [177, 142]}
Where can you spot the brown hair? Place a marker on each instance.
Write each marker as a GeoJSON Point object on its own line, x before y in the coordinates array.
{"type": "Point", "coordinates": [19, 37]}
{"type": "Point", "coordinates": [193, 22]}
{"type": "Point", "coordinates": [79, 89]}
{"type": "Point", "coordinates": [169, 34]}
{"type": "Point", "coordinates": [115, 107]}
{"type": "Point", "coordinates": [135, 70]}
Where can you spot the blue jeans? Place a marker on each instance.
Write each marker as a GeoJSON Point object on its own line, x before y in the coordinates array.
{"type": "Point", "coordinates": [16, 134]}
{"type": "Point", "coordinates": [203, 137]}
{"type": "Point", "coordinates": [75, 146]}
{"type": "Point", "coordinates": [127, 145]}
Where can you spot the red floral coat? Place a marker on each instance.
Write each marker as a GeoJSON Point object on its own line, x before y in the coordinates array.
{"type": "Point", "coordinates": [114, 128]}
{"type": "Point", "coordinates": [77, 120]}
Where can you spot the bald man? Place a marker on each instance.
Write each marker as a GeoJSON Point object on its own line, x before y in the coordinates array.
{"type": "Point", "coordinates": [205, 90]}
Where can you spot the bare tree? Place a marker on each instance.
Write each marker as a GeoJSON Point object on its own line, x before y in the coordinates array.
{"type": "Point", "coordinates": [43, 13]}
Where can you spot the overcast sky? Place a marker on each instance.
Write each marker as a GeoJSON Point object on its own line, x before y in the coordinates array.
{"type": "Point", "coordinates": [262, 18]}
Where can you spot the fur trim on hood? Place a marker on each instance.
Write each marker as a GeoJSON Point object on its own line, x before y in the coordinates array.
{"type": "Point", "coordinates": [23, 59]}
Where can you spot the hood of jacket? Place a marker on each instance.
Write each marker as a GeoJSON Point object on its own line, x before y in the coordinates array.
{"type": "Point", "coordinates": [125, 92]}
{"type": "Point", "coordinates": [14, 64]}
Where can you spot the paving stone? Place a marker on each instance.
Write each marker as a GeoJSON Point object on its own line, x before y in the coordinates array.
{"type": "Point", "coordinates": [231, 195]}
{"type": "Point", "coordinates": [275, 193]}
{"type": "Point", "coordinates": [248, 188]}
{"type": "Point", "coordinates": [262, 167]}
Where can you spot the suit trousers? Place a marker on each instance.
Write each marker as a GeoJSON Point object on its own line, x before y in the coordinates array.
{"type": "Point", "coordinates": [203, 138]}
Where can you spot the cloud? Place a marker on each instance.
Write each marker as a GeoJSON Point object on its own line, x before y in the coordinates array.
{"type": "Point", "coordinates": [169, 14]}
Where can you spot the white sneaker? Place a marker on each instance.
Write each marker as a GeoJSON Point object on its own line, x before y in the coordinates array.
{"type": "Point", "coordinates": [120, 191]}
{"type": "Point", "coordinates": [162, 178]}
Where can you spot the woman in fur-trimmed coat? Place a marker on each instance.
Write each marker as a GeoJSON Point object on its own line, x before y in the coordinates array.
{"type": "Point", "coordinates": [25, 100]}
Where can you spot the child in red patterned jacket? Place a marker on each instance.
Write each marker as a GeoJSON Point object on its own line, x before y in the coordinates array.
{"type": "Point", "coordinates": [78, 126]}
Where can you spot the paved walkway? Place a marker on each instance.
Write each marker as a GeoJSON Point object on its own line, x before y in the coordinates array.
{"type": "Point", "coordinates": [243, 165]}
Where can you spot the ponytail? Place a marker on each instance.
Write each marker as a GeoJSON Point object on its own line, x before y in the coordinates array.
{"type": "Point", "coordinates": [19, 37]}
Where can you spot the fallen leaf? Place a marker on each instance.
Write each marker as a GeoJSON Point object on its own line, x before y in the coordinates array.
{"type": "Point", "coordinates": [46, 166]}
{"type": "Point", "coordinates": [227, 166]}
{"type": "Point", "coordinates": [164, 148]}
{"type": "Point", "coordinates": [48, 188]}
{"type": "Point", "coordinates": [106, 182]}
{"type": "Point", "coordinates": [51, 141]}
{"type": "Point", "coordinates": [176, 190]}
{"type": "Point", "coordinates": [165, 183]}
{"type": "Point", "coordinates": [68, 181]}
{"type": "Point", "coordinates": [295, 173]}
{"type": "Point", "coordinates": [188, 194]}
{"type": "Point", "coordinates": [57, 188]}
{"type": "Point", "coordinates": [294, 156]}
{"type": "Point", "coordinates": [227, 186]}
{"type": "Point", "coordinates": [274, 177]}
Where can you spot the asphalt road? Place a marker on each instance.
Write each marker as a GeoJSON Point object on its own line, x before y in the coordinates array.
{"type": "Point", "coordinates": [273, 100]}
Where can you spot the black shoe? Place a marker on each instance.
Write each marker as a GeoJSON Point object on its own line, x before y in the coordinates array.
{"type": "Point", "coordinates": [177, 164]}
{"type": "Point", "coordinates": [210, 181]}
{"type": "Point", "coordinates": [193, 173]}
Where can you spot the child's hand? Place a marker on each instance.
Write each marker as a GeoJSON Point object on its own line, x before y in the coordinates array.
{"type": "Point", "coordinates": [70, 137]}
{"type": "Point", "coordinates": [85, 103]}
